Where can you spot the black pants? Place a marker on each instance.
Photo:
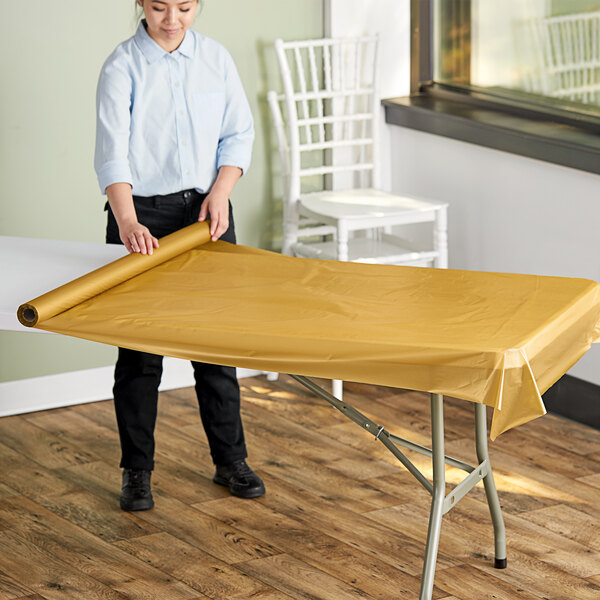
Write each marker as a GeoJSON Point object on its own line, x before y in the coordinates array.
{"type": "Point", "coordinates": [138, 374]}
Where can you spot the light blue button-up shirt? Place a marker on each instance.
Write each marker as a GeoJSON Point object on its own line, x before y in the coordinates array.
{"type": "Point", "coordinates": [168, 122]}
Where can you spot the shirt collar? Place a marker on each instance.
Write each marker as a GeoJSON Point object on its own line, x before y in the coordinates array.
{"type": "Point", "coordinates": [153, 52]}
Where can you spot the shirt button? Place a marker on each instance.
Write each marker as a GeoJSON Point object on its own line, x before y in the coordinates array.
{"type": "Point", "coordinates": [177, 84]}
{"type": "Point", "coordinates": [186, 172]}
{"type": "Point", "coordinates": [179, 112]}
{"type": "Point", "coordinates": [183, 143]}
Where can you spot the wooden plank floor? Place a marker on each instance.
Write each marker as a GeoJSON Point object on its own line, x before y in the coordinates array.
{"type": "Point", "coordinates": [341, 518]}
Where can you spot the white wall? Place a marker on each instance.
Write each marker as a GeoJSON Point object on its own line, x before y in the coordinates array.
{"type": "Point", "coordinates": [507, 213]}
{"type": "Point", "coordinates": [391, 20]}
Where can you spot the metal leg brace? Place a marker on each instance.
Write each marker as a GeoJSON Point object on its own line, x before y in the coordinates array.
{"type": "Point", "coordinates": [441, 503]}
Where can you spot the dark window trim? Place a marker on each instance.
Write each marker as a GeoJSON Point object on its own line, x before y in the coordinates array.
{"type": "Point", "coordinates": [555, 132]}
{"type": "Point", "coordinates": [421, 44]}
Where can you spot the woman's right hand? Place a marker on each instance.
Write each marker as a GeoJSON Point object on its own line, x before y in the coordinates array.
{"type": "Point", "coordinates": [137, 237]}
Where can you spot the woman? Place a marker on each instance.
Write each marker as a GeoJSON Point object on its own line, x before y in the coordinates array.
{"type": "Point", "coordinates": [174, 135]}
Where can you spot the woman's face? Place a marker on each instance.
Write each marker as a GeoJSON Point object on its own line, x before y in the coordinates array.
{"type": "Point", "coordinates": [168, 20]}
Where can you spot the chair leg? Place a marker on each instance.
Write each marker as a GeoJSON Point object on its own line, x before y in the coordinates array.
{"type": "Point", "coordinates": [337, 388]}
{"type": "Point", "coordinates": [342, 243]}
{"type": "Point", "coordinates": [290, 228]}
{"type": "Point", "coordinates": [342, 255]}
{"type": "Point", "coordinates": [439, 494]}
{"type": "Point", "coordinates": [440, 238]}
{"type": "Point", "coordinates": [490, 487]}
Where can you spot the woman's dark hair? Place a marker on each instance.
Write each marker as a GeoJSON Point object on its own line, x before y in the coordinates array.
{"type": "Point", "coordinates": [139, 11]}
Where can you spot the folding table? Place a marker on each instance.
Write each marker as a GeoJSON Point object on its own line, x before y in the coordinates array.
{"type": "Point", "coordinates": [491, 338]}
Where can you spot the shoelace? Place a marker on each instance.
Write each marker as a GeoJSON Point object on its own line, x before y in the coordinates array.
{"type": "Point", "coordinates": [137, 478]}
{"type": "Point", "coordinates": [242, 469]}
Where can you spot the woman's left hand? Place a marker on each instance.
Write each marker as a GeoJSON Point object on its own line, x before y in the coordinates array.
{"type": "Point", "coordinates": [216, 205]}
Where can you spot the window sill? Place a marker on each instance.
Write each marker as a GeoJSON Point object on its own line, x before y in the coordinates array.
{"type": "Point", "coordinates": [523, 132]}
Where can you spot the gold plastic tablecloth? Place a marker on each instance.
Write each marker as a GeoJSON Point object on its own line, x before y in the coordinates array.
{"type": "Point", "coordinates": [493, 338]}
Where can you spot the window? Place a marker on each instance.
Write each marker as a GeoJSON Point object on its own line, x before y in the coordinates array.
{"type": "Point", "coordinates": [521, 76]}
{"type": "Point", "coordinates": [543, 51]}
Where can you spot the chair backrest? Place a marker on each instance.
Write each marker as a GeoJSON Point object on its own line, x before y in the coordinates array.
{"type": "Point", "coordinates": [332, 110]}
{"type": "Point", "coordinates": [569, 53]}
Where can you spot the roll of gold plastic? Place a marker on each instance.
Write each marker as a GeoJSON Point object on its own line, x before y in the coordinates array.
{"type": "Point", "coordinates": [83, 288]}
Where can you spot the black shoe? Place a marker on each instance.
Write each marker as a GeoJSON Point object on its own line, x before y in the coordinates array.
{"type": "Point", "coordinates": [241, 480]}
{"type": "Point", "coordinates": [135, 493]}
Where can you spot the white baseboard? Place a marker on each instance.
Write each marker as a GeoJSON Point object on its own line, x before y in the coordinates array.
{"type": "Point", "coordinates": [80, 387]}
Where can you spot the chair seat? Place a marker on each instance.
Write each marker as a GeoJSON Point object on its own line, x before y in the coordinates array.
{"type": "Point", "coordinates": [388, 251]}
{"type": "Point", "coordinates": [357, 206]}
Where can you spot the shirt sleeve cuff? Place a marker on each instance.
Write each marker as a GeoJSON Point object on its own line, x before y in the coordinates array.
{"type": "Point", "coordinates": [228, 160]}
{"type": "Point", "coordinates": [114, 172]}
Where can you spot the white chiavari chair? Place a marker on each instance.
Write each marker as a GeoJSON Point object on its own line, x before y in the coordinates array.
{"type": "Point", "coordinates": [326, 121]}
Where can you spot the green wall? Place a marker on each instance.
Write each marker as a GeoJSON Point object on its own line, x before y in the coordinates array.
{"type": "Point", "coordinates": [568, 7]}
{"type": "Point", "coordinates": [50, 63]}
